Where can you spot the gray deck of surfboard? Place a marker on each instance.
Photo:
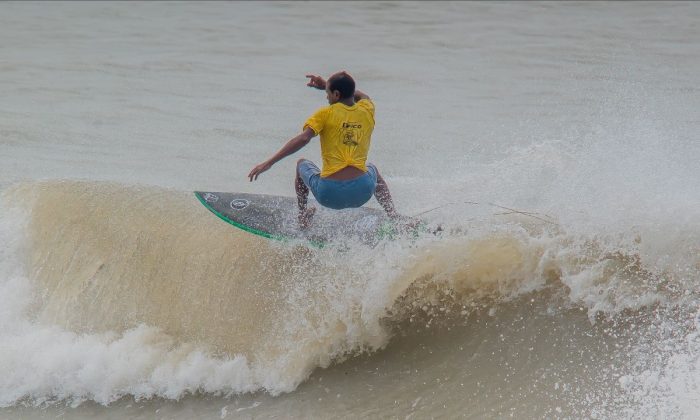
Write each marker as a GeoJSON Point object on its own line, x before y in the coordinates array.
{"type": "Point", "coordinates": [276, 217]}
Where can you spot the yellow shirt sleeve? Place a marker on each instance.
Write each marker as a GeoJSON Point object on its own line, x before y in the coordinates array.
{"type": "Point", "coordinates": [317, 121]}
{"type": "Point", "coordinates": [367, 104]}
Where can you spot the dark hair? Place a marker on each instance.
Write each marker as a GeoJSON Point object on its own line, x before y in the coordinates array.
{"type": "Point", "coordinates": [343, 83]}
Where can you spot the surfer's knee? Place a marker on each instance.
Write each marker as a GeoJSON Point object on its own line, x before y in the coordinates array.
{"type": "Point", "coordinates": [298, 167]}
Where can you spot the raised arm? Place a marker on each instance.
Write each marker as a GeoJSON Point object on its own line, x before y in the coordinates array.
{"type": "Point", "coordinates": [319, 82]}
{"type": "Point", "coordinates": [315, 81]}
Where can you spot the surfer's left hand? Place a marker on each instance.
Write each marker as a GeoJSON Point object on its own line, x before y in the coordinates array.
{"type": "Point", "coordinates": [258, 169]}
{"type": "Point", "coordinates": [316, 82]}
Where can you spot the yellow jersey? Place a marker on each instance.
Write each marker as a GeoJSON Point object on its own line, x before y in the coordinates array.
{"type": "Point", "coordinates": [346, 132]}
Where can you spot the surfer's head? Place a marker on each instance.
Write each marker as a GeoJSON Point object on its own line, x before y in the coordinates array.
{"type": "Point", "coordinates": [340, 86]}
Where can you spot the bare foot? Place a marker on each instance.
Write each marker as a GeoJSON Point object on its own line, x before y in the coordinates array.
{"type": "Point", "coordinates": [305, 217]}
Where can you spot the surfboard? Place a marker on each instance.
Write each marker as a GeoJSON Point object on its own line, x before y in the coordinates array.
{"type": "Point", "coordinates": [275, 217]}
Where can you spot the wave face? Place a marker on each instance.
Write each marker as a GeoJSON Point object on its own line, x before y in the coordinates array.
{"type": "Point", "coordinates": [112, 290]}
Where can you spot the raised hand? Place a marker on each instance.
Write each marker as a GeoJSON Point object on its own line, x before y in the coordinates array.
{"type": "Point", "coordinates": [316, 82]}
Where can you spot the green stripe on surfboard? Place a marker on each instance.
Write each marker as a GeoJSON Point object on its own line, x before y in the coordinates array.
{"type": "Point", "coordinates": [275, 217]}
{"type": "Point", "coordinates": [236, 224]}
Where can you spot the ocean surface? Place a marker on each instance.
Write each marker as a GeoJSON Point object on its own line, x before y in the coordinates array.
{"type": "Point", "coordinates": [555, 143]}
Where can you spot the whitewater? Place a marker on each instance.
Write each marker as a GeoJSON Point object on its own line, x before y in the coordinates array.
{"type": "Point", "coordinates": [555, 144]}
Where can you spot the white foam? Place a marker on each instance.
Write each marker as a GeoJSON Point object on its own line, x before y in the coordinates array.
{"type": "Point", "coordinates": [336, 304]}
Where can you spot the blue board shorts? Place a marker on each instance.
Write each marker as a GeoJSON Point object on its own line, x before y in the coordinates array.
{"type": "Point", "coordinates": [336, 194]}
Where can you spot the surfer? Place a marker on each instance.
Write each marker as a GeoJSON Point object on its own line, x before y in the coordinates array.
{"type": "Point", "coordinates": [345, 127]}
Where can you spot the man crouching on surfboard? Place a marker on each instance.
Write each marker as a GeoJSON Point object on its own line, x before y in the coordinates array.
{"type": "Point", "coordinates": [345, 127]}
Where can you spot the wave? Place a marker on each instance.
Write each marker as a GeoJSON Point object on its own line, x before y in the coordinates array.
{"type": "Point", "coordinates": [112, 290]}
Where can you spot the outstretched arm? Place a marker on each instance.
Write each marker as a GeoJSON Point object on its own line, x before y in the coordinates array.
{"type": "Point", "coordinates": [315, 81]}
{"type": "Point", "coordinates": [292, 146]}
{"type": "Point", "coordinates": [319, 82]}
